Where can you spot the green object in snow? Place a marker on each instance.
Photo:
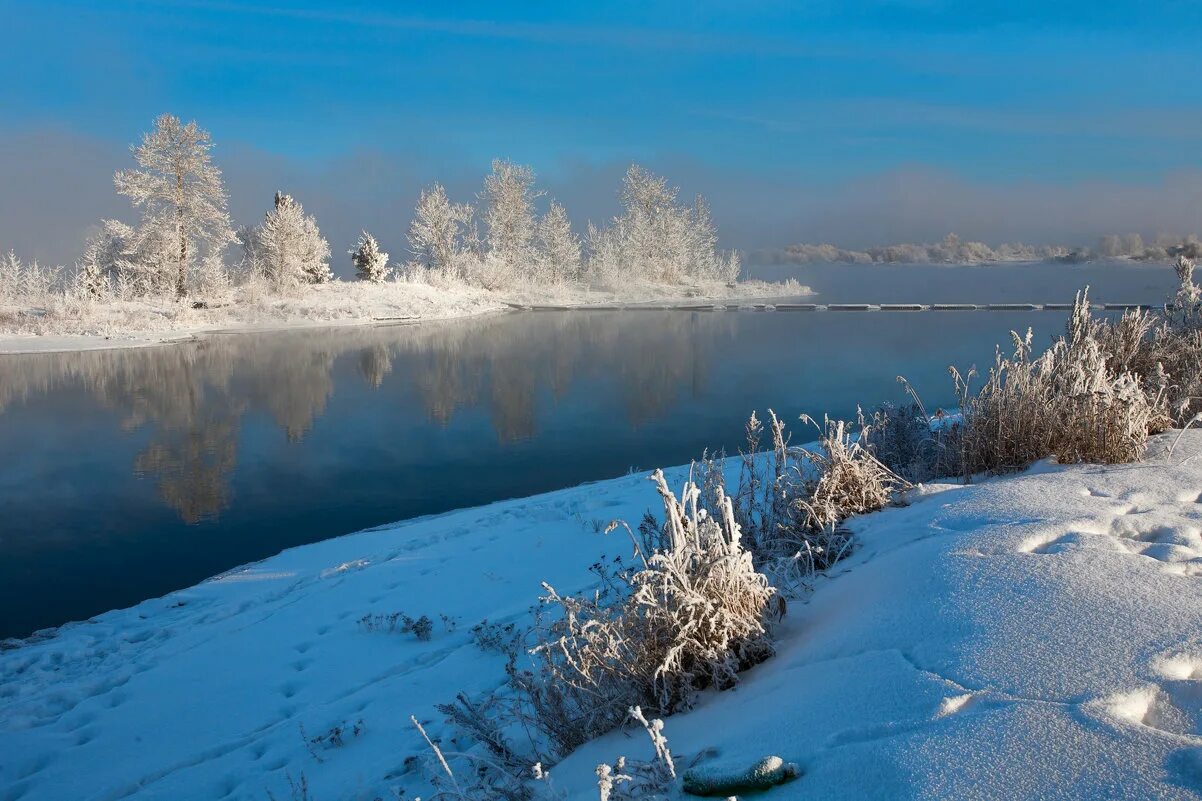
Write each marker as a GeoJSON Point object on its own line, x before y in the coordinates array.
{"type": "Point", "coordinates": [725, 781]}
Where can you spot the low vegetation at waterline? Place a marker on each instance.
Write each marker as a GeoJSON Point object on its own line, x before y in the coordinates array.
{"type": "Point", "coordinates": [708, 580]}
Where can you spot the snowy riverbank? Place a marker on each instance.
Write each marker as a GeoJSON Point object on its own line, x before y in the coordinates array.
{"type": "Point", "coordinates": [1034, 636]}
{"type": "Point", "coordinates": [123, 324]}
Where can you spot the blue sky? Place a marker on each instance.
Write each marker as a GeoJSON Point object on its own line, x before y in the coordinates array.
{"type": "Point", "coordinates": [858, 120]}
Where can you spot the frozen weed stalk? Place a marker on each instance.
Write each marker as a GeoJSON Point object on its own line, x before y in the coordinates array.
{"type": "Point", "coordinates": [693, 618]}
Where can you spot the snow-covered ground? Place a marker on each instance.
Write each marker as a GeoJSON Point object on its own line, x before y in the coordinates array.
{"type": "Point", "coordinates": [1034, 636]}
{"type": "Point", "coordinates": [116, 324]}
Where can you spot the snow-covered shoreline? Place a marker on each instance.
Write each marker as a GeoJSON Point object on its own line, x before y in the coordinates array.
{"type": "Point", "coordinates": [1031, 636]}
{"type": "Point", "coordinates": [341, 304]}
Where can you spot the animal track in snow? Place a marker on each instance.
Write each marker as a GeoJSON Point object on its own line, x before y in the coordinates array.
{"type": "Point", "coordinates": [1148, 706]}
{"type": "Point", "coordinates": [1180, 667]}
{"type": "Point", "coordinates": [1052, 542]}
{"type": "Point", "coordinates": [1172, 704]}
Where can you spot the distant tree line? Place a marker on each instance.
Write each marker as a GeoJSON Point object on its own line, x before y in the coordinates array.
{"type": "Point", "coordinates": [954, 250]}
{"type": "Point", "coordinates": [182, 242]}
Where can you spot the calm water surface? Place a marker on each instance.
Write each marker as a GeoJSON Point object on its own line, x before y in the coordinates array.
{"type": "Point", "coordinates": [127, 474]}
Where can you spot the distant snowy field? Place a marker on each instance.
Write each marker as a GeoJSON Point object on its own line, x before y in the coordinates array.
{"type": "Point", "coordinates": [1034, 636]}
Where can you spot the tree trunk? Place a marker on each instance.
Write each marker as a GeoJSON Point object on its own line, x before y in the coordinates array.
{"type": "Point", "coordinates": [181, 277]}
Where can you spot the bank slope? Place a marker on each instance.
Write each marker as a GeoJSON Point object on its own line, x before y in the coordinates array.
{"type": "Point", "coordinates": [1035, 636]}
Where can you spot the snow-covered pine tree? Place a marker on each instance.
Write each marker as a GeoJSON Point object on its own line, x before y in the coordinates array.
{"type": "Point", "coordinates": [437, 231]}
{"type": "Point", "coordinates": [371, 263]}
{"type": "Point", "coordinates": [287, 247]}
{"type": "Point", "coordinates": [180, 193]}
{"type": "Point", "coordinates": [508, 211]}
{"type": "Point", "coordinates": [558, 247]}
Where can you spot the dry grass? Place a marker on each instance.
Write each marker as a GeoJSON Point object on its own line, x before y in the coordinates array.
{"type": "Point", "coordinates": [693, 618]}
{"type": "Point", "coordinates": [1077, 401]}
{"type": "Point", "coordinates": [690, 615]}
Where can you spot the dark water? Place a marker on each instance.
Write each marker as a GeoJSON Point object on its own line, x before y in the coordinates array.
{"type": "Point", "coordinates": [126, 474]}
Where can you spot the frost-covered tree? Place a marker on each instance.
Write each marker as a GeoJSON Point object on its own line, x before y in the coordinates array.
{"type": "Point", "coordinates": [27, 283]}
{"type": "Point", "coordinates": [657, 238]}
{"type": "Point", "coordinates": [507, 205]}
{"type": "Point", "coordinates": [371, 263]}
{"type": "Point", "coordinates": [604, 252]}
{"type": "Point", "coordinates": [287, 247]}
{"type": "Point", "coordinates": [558, 247]}
{"type": "Point", "coordinates": [180, 193]}
{"type": "Point", "coordinates": [436, 235]}
{"type": "Point", "coordinates": [655, 233]}
{"type": "Point", "coordinates": [106, 255]}
{"type": "Point", "coordinates": [10, 276]}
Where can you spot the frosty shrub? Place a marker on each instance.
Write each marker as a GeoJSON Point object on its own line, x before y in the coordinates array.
{"type": "Point", "coordinates": [847, 479]}
{"type": "Point", "coordinates": [901, 438]}
{"type": "Point", "coordinates": [814, 492]}
{"type": "Point", "coordinates": [792, 501]}
{"type": "Point", "coordinates": [768, 482]}
{"type": "Point", "coordinates": [1184, 310]}
{"type": "Point", "coordinates": [1178, 369]}
{"type": "Point", "coordinates": [1176, 347]}
{"type": "Point", "coordinates": [694, 616]}
{"type": "Point", "coordinates": [1069, 402]}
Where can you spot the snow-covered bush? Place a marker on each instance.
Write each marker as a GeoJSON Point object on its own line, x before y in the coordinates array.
{"type": "Point", "coordinates": [1068, 402]}
{"type": "Point", "coordinates": [792, 502]}
{"type": "Point", "coordinates": [692, 617]}
{"type": "Point", "coordinates": [848, 479]}
{"type": "Point", "coordinates": [904, 439]}
{"type": "Point", "coordinates": [796, 500]}
{"type": "Point", "coordinates": [1184, 310]}
{"type": "Point", "coordinates": [1174, 358]}
{"type": "Point", "coordinates": [370, 263]}
{"type": "Point", "coordinates": [287, 248]}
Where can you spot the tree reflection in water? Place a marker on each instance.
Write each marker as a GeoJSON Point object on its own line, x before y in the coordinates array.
{"type": "Point", "coordinates": [191, 398]}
